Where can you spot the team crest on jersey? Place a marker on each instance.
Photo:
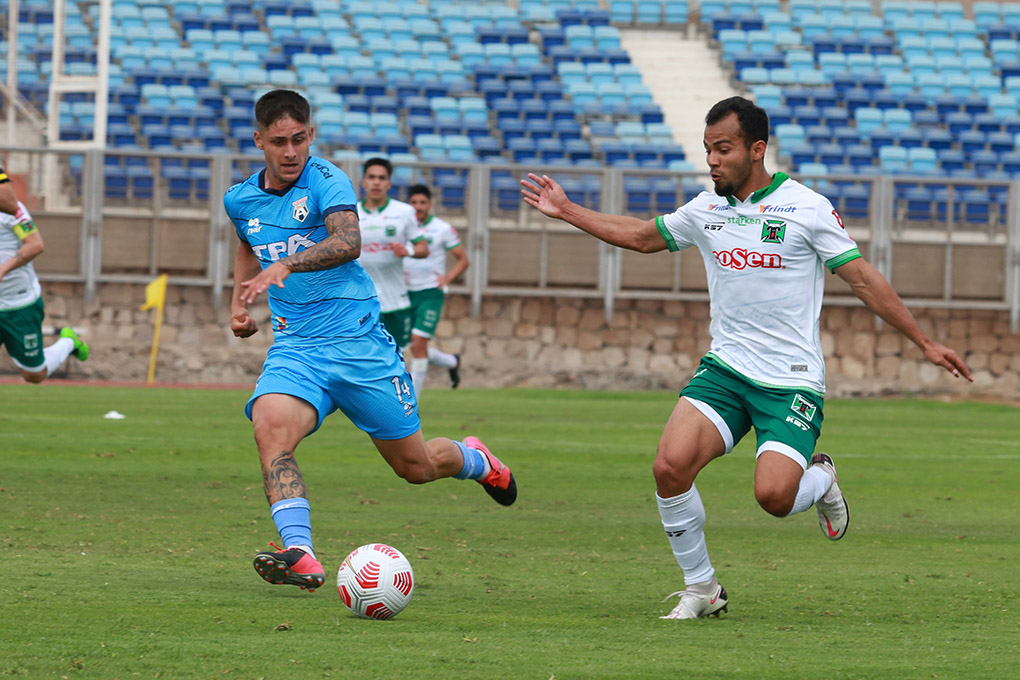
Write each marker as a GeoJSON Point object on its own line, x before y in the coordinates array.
{"type": "Point", "coordinates": [300, 209]}
{"type": "Point", "coordinates": [804, 408]}
{"type": "Point", "coordinates": [391, 230]}
{"type": "Point", "coordinates": [773, 231]}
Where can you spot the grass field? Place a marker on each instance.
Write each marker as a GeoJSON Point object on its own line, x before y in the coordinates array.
{"type": "Point", "coordinates": [128, 546]}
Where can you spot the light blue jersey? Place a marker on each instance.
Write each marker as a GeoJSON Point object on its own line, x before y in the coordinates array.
{"type": "Point", "coordinates": [339, 302]}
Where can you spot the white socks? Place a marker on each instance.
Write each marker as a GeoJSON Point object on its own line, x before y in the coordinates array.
{"type": "Point", "coordinates": [56, 354]}
{"type": "Point", "coordinates": [683, 518]}
{"type": "Point", "coordinates": [813, 484]}
{"type": "Point", "coordinates": [442, 358]}
{"type": "Point", "coordinates": [419, 369]}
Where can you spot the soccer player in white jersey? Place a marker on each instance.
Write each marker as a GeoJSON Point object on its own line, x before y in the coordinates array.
{"type": "Point", "coordinates": [427, 280]}
{"type": "Point", "coordinates": [21, 304]}
{"type": "Point", "coordinates": [389, 233]}
{"type": "Point", "coordinates": [766, 241]}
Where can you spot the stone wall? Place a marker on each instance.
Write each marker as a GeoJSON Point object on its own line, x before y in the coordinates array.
{"type": "Point", "coordinates": [541, 342]}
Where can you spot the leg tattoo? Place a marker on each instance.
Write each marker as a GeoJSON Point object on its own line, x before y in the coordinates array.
{"type": "Point", "coordinates": [282, 478]}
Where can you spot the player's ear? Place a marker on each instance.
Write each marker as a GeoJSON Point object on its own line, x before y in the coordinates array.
{"type": "Point", "coordinates": [311, 134]}
{"type": "Point", "coordinates": [258, 141]}
{"type": "Point", "coordinates": [758, 150]}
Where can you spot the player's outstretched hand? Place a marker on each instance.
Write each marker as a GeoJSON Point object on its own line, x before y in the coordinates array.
{"type": "Point", "coordinates": [242, 325]}
{"type": "Point", "coordinates": [273, 275]}
{"type": "Point", "coordinates": [940, 355]}
{"type": "Point", "coordinates": [545, 194]}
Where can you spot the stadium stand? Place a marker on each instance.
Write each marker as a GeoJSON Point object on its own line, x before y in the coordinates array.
{"type": "Point", "coordinates": [853, 88]}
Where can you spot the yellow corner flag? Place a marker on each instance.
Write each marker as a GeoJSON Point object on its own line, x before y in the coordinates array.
{"type": "Point", "coordinates": [155, 296]}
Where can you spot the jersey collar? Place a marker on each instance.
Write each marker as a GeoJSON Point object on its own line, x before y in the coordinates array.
{"type": "Point", "coordinates": [427, 220]}
{"type": "Point", "coordinates": [283, 191]}
{"type": "Point", "coordinates": [756, 196]}
{"type": "Point", "coordinates": [381, 208]}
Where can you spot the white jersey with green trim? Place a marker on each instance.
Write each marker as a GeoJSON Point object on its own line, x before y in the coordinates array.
{"type": "Point", "coordinates": [20, 287]}
{"type": "Point", "coordinates": [424, 273]}
{"type": "Point", "coordinates": [766, 259]}
{"type": "Point", "coordinates": [381, 229]}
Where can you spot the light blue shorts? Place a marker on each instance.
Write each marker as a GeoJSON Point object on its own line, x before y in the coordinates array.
{"type": "Point", "coordinates": [364, 377]}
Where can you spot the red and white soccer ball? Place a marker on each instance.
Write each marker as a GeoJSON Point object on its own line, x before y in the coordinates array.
{"type": "Point", "coordinates": [375, 581]}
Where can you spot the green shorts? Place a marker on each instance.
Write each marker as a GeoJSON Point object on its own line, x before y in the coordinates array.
{"type": "Point", "coordinates": [785, 420]}
{"type": "Point", "coordinates": [398, 323]}
{"type": "Point", "coordinates": [21, 334]}
{"type": "Point", "coordinates": [426, 306]}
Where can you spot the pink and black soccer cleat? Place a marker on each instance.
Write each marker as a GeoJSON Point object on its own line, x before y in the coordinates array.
{"type": "Point", "coordinates": [291, 567]}
{"type": "Point", "coordinates": [499, 483]}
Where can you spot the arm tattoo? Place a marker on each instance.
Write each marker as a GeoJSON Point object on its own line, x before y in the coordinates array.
{"type": "Point", "coordinates": [341, 246]}
{"type": "Point", "coordinates": [282, 479]}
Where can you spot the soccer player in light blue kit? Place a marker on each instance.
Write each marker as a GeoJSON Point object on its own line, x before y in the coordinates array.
{"type": "Point", "coordinates": [297, 222]}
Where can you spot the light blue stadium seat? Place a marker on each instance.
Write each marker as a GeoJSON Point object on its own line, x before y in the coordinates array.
{"type": "Point", "coordinates": [868, 119]}
{"type": "Point", "coordinates": [606, 37]}
{"type": "Point", "coordinates": [579, 36]}
{"type": "Point", "coordinates": [899, 82]}
{"type": "Point", "coordinates": [986, 85]}
{"type": "Point", "coordinates": [893, 158]}
{"type": "Point", "coordinates": [897, 120]}
{"type": "Point", "coordinates": [800, 60]}
{"type": "Point", "coordinates": [660, 132]}
{"type": "Point", "coordinates": [930, 84]}
{"type": "Point", "coordinates": [789, 133]}
{"type": "Point", "coordinates": [637, 94]}
{"type": "Point", "coordinates": [755, 75]}
{"type": "Point", "coordinates": [959, 84]}
{"type": "Point", "coordinates": [860, 63]}
{"type": "Point", "coordinates": [767, 96]}
{"type": "Point", "coordinates": [832, 62]}
{"type": "Point", "coordinates": [1002, 105]}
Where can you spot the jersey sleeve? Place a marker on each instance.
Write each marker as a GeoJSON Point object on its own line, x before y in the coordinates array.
{"type": "Point", "coordinates": [834, 246]}
{"type": "Point", "coordinates": [228, 208]}
{"type": "Point", "coordinates": [676, 227]}
{"type": "Point", "coordinates": [412, 232]}
{"type": "Point", "coordinates": [452, 238]}
{"type": "Point", "coordinates": [23, 225]}
{"type": "Point", "coordinates": [331, 188]}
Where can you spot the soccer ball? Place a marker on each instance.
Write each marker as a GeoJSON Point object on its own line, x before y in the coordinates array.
{"type": "Point", "coordinates": [375, 581]}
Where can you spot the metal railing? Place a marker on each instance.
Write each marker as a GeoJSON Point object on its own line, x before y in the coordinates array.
{"type": "Point", "coordinates": [162, 213]}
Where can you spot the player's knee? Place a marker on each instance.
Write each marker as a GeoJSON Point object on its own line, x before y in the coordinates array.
{"type": "Point", "coordinates": [34, 377]}
{"type": "Point", "coordinates": [673, 471]}
{"type": "Point", "coordinates": [416, 473]}
{"type": "Point", "coordinates": [271, 434]}
{"type": "Point", "coordinates": [774, 500]}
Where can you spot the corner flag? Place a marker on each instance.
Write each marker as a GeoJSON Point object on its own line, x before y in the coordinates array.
{"type": "Point", "coordinates": [155, 296]}
{"type": "Point", "coordinates": [155, 293]}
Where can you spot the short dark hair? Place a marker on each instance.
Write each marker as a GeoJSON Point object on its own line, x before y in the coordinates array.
{"type": "Point", "coordinates": [378, 161]}
{"type": "Point", "coordinates": [754, 122]}
{"type": "Point", "coordinates": [419, 189]}
{"type": "Point", "coordinates": [277, 104]}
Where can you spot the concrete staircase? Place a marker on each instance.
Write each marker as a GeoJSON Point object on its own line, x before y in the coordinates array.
{"type": "Point", "coordinates": [686, 79]}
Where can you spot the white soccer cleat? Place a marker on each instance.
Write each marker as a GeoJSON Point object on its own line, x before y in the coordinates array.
{"type": "Point", "coordinates": [694, 606]}
{"type": "Point", "coordinates": [833, 512]}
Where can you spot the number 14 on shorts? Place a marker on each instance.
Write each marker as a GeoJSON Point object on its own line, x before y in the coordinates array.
{"type": "Point", "coordinates": [405, 395]}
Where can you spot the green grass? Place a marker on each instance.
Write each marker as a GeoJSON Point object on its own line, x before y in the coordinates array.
{"type": "Point", "coordinates": [127, 546]}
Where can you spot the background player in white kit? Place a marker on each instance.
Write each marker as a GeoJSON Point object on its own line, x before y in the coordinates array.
{"type": "Point", "coordinates": [389, 233]}
{"type": "Point", "coordinates": [765, 240]}
{"type": "Point", "coordinates": [427, 280]}
{"type": "Point", "coordinates": [21, 303]}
